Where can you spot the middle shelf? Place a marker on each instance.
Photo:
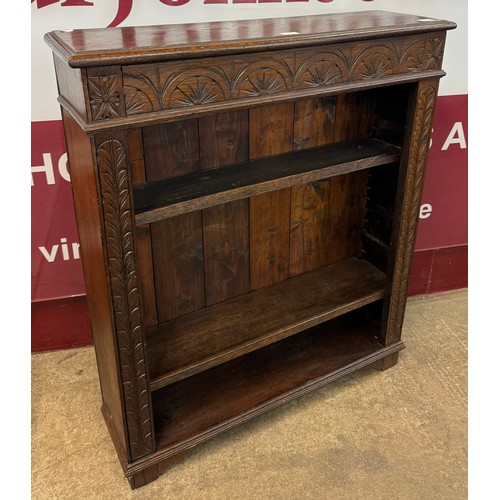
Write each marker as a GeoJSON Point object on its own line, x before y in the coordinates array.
{"type": "Point", "coordinates": [156, 200]}
{"type": "Point", "coordinates": [208, 337]}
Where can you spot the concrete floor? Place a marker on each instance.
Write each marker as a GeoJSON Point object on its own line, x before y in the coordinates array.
{"type": "Point", "coordinates": [399, 434]}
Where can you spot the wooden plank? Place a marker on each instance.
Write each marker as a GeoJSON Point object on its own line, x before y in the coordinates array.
{"type": "Point", "coordinates": [347, 199]}
{"type": "Point", "coordinates": [145, 272]}
{"type": "Point", "coordinates": [87, 203]}
{"type": "Point", "coordinates": [309, 244]}
{"type": "Point", "coordinates": [269, 238]}
{"type": "Point", "coordinates": [143, 234]}
{"type": "Point", "coordinates": [309, 224]}
{"type": "Point", "coordinates": [354, 116]}
{"type": "Point", "coordinates": [270, 130]}
{"type": "Point", "coordinates": [122, 45]}
{"type": "Point", "coordinates": [166, 198]}
{"type": "Point", "coordinates": [223, 141]}
{"type": "Point", "coordinates": [178, 258]}
{"type": "Point", "coordinates": [354, 120]}
{"type": "Point", "coordinates": [171, 149]}
{"type": "Point", "coordinates": [347, 206]}
{"type": "Point", "coordinates": [270, 133]}
{"type": "Point", "coordinates": [313, 122]}
{"type": "Point", "coordinates": [197, 341]}
{"type": "Point", "coordinates": [225, 243]}
{"type": "Point", "coordinates": [137, 167]}
{"type": "Point", "coordinates": [218, 399]}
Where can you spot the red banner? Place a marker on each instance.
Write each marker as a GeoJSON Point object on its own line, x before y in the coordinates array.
{"type": "Point", "coordinates": [443, 214]}
{"type": "Point", "coordinates": [56, 270]}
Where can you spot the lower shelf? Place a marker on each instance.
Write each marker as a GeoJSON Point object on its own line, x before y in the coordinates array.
{"type": "Point", "coordinates": [203, 339]}
{"type": "Point", "coordinates": [195, 409]}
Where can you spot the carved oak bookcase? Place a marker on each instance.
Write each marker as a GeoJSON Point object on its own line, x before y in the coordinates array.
{"type": "Point", "coordinates": [247, 196]}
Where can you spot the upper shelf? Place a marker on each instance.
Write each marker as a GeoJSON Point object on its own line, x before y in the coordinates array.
{"type": "Point", "coordinates": [169, 197]}
{"type": "Point", "coordinates": [105, 46]}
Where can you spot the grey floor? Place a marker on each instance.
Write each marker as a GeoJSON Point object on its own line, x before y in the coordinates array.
{"type": "Point", "coordinates": [399, 434]}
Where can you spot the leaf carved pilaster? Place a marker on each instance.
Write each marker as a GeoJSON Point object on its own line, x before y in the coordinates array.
{"type": "Point", "coordinates": [417, 160]}
{"type": "Point", "coordinates": [118, 226]}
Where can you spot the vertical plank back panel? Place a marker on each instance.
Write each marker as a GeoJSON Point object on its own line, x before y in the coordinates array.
{"type": "Point", "coordinates": [354, 119]}
{"type": "Point", "coordinates": [171, 150]}
{"type": "Point", "coordinates": [347, 208]}
{"type": "Point", "coordinates": [310, 247]}
{"type": "Point", "coordinates": [144, 250]}
{"type": "Point", "coordinates": [223, 141]}
{"type": "Point", "coordinates": [354, 116]}
{"type": "Point", "coordinates": [178, 259]}
{"type": "Point", "coordinates": [225, 239]}
{"type": "Point", "coordinates": [270, 133]}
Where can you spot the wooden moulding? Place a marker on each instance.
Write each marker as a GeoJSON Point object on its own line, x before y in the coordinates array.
{"type": "Point", "coordinates": [102, 46]}
{"type": "Point", "coordinates": [169, 197]}
{"type": "Point", "coordinates": [194, 342]}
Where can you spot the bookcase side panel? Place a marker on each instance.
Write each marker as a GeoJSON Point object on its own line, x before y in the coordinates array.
{"type": "Point", "coordinates": [409, 191]}
{"type": "Point", "coordinates": [90, 226]}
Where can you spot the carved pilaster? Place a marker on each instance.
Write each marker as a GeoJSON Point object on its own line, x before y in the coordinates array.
{"type": "Point", "coordinates": [118, 226]}
{"type": "Point", "coordinates": [416, 165]}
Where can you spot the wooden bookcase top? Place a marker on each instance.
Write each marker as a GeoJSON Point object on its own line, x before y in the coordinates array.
{"type": "Point", "coordinates": [105, 46]}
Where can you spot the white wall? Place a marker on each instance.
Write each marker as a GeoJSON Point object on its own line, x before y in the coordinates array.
{"type": "Point", "coordinates": [144, 12]}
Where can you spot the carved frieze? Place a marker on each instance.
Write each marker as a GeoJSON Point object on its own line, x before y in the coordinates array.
{"type": "Point", "coordinates": [156, 87]}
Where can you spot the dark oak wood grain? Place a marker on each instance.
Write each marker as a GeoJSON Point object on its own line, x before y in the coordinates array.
{"type": "Point", "coordinates": [270, 133]}
{"type": "Point", "coordinates": [190, 344]}
{"type": "Point", "coordinates": [409, 192]}
{"type": "Point", "coordinates": [218, 399]}
{"type": "Point", "coordinates": [309, 204]}
{"type": "Point", "coordinates": [347, 206]}
{"type": "Point", "coordinates": [100, 46]}
{"type": "Point", "coordinates": [179, 272]}
{"type": "Point", "coordinates": [226, 250]}
{"type": "Point", "coordinates": [171, 150]}
{"type": "Point", "coordinates": [224, 141]}
{"type": "Point", "coordinates": [246, 195]}
{"type": "Point", "coordinates": [136, 154]}
{"type": "Point", "coordinates": [168, 197]}
{"type": "Point", "coordinates": [86, 200]}
{"type": "Point", "coordinates": [145, 272]}
{"type": "Point", "coordinates": [144, 250]}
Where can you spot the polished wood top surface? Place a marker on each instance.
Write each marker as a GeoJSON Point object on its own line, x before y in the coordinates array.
{"type": "Point", "coordinates": [105, 46]}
